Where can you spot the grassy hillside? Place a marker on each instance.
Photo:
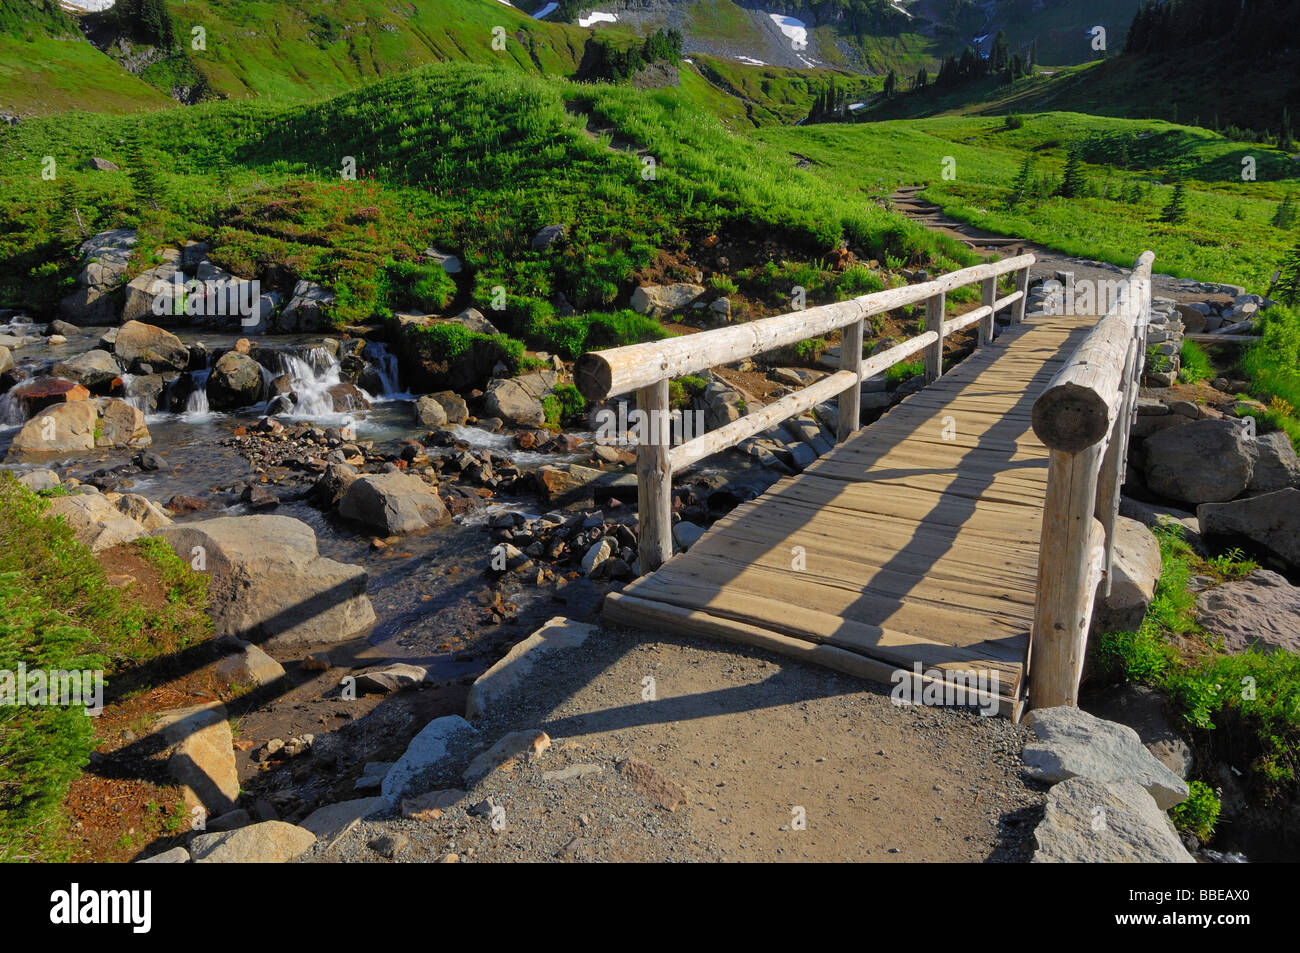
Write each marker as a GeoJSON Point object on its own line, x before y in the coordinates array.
{"type": "Point", "coordinates": [1227, 235]}
{"type": "Point", "coordinates": [47, 66]}
{"type": "Point", "coordinates": [472, 160]}
{"type": "Point", "coordinates": [289, 51]}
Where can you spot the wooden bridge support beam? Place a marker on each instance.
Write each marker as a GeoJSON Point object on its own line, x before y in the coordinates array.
{"type": "Point", "coordinates": [850, 403]}
{"type": "Point", "coordinates": [654, 477]}
{"type": "Point", "coordinates": [988, 295]}
{"type": "Point", "coordinates": [934, 307]}
{"type": "Point", "coordinates": [1022, 285]}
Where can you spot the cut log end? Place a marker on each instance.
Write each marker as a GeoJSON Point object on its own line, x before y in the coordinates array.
{"type": "Point", "coordinates": [1070, 418]}
{"type": "Point", "coordinates": [593, 377]}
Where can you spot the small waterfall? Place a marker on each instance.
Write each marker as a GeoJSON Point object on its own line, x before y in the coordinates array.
{"type": "Point", "coordinates": [385, 366]}
{"type": "Point", "coordinates": [13, 412]}
{"type": "Point", "coordinates": [196, 405]}
{"type": "Point", "coordinates": [144, 403]}
{"type": "Point", "coordinates": [312, 377]}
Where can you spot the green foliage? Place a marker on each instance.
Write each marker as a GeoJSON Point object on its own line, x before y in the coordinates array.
{"type": "Point", "coordinates": [904, 371]}
{"type": "Point", "coordinates": [857, 280]}
{"type": "Point", "coordinates": [1175, 213]}
{"type": "Point", "coordinates": [566, 402]}
{"type": "Point", "coordinates": [57, 610]}
{"type": "Point", "coordinates": [1199, 813]}
{"type": "Point", "coordinates": [419, 288]}
{"type": "Point", "coordinates": [1194, 363]}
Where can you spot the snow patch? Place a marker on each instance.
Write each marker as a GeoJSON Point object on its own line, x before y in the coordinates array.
{"type": "Point", "coordinates": [595, 16]}
{"type": "Point", "coordinates": [750, 61]}
{"type": "Point", "coordinates": [796, 30]}
{"type": "Point", "coordinates": [86, 6]}
{"type": "Point", "coordinates": [546, 11]}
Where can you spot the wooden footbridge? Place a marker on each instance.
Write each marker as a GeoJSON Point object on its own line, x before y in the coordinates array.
{"type": "Point", "coordinates": [960, 539]}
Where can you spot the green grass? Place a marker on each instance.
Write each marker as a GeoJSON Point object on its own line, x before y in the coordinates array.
{"type": "Point", "coordinates": [57, 610]}
{"type": "Point", "coordinates": [1199, 814]}
{"type": "Point", "coordinates": [1194, 364]}
{"type": "Point", "coordinates": [1226, 238]}
{"type": "Point", "coordinates": [1246, 704]}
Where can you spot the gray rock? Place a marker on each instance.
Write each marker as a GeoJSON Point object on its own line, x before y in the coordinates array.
{"type": "Point", "coordinates": [250, 666]}
{"type": "Point", "coordinates": [267, 579]}
{"type": "Point", "coordinates": [392, 503]}
{"type": "Point", "coordinates": [453, 405]}
{"type": "Point", "coordinates": [37, 480]}
{"type": "Point", "coordinates": [687, 534]}
{"type": "Point", "coordinates": [307, 310]}
{"type": "Point", "coordinates": [432, 750]}
{"type": "Point", "coordinates": [518, 400]}
{"type": "Point", "coordinates": [332, 822]}
{"type": "Point", "coordinates": [140, 343]}
{"type": "Point", "coordinates": [151, 292]}
{"type": "Point", "coordinates": [270, 842]}
{"type": "Point", "coordinates": [95, 521]}
{"type": "Point", "coordinates": [1135, 571]}
{"type": "Point", "coordinates": [202, 758]}
{"type": "Point", "coordinates": [1143, 709]}
{"type": "Point", "coordinates": [1270, 521]}
{"type": "Point", "coordinates": [599, 552]}
{"type": "Point", "coordinates": [94, 370]}
{"type": "Point", "coordinates": [547, 237]}
{"type": "Point", "coordinates": [1276, 466]}
{"type": "Point", "coordinates": [1204, 461]}
{"type": "Point", "coordinates": [144, 511]}
{"type": "Point", "coordinates": [395, 677]}
{"type": "Point", "coordinates": [177, 855]}
{"type": "Point", "coordinates": [1072, 743]}
{"type": "Point", "coordinates": [430, 413]}
{"type": "Point", "coordinates": [1261, 611]}
{"type": "Point", "coordinates": [1090, 821]}
{"type": "Point", "coordinates": [508, 679]}
{"type": "Point", "coordinates": [235, 381]}
{"type": "Point", "coordinates": [332, 485]}
{"type": "Point", "coordinates": [660, 300]}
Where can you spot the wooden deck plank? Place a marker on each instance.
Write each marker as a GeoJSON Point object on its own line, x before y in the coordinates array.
{"type": "Point", "coordinates": [917, 541]}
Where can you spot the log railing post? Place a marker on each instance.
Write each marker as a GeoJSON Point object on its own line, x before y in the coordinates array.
{"type": "Point", "coordinates": [1083, 417]}
{"type": "Point", "coordinates": [934, 307]}
{"type": "Point", "coordinates": [988, 295]}
{"type": "Point", "coordinates": [654, 477]}
{"type": "Point", "coordinates": [1068, 564]}
{"type": "Point", "coordinates": [850, 404]}
{"type": "Point", "coordinates": [1022, 285]}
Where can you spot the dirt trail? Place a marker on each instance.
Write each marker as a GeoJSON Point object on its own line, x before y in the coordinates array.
{"type": "Point", "coordinates": [750, 737]}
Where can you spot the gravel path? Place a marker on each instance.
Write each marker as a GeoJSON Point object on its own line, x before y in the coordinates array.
{"type": "Point", "coordinates": [750, 738]}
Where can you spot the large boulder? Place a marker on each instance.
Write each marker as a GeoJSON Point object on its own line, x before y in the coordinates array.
{"type": "Point", "coordinates": [1269, 523]}
{"type": "Point", "coordinates": [1204, 461]}
{"type": "Point", "coordinates": [95, 370]}
{"type": "Point", "coordinates": [41, 392]}
{"type": "Point", "coordinates": [659, 300]}
{"type": "Point", "coordinates": [1276, 466]}
{"type": "Point", "coordinates": [1135, 570]}
{"type": "Point", "coordinates": [1144, 709]}
{"type": "Point", "coordinates": [235, 381]}
{"type": "Point", "coordinates": [1090, 821]}
{"type": "Point", "coordinates": [139, 343]}
{"type": "Point", "coordinates": [59, 428]}
{"type": "Point", "coordinates": [390, 503]}
{"type": "Point", "coordinates": [508, 679]}
{"type": "Point", "coordinates": [142, 291]}
{"type": "Point", "coordinates": [429, 412]}
{"type": "Point", "coordinates": [95, 521]}
{"type": "Point", "coordinates": [269, 584]}
{"type": "Point", "coordinates": [518, 400]}
{"type": "Point", "coordinates": [202, 758]}
{"type": "Point", "coordinates": [430, 753]}
{"type": "Point", "coordinates": [453, 406]}
{"type": "Point", "coordinates": [1261, 611]}
{"type": "Point", "coordinates": [1072, 743]}
{"type": "Point", "coordinates": [307, 310]}
{"type": "Point", "coordinates": [95, 300]}
{"type": "Point", "coordinates": [270, 842]}
{"type": "Point", "coordinates": [120, 425]}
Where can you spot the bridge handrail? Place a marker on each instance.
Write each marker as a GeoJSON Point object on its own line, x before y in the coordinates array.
{"type": "Point", "coordinates": [647, 368]}
{"type": "Point", "coordinates": [1084, 417]}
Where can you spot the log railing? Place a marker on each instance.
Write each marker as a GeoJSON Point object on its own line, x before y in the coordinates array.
{"type": "Point", "coordinates": [1084, 417]}
{"type": "Point", "coordinates": [647, 368]}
